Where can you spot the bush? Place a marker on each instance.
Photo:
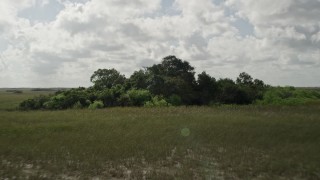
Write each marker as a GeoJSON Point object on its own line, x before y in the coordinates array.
{"type": "Point", "coordinates": [175, 100]}
{"type": "Point", "coordinates": [56, 102]}
{"type": "Point", "coordinates": [35, 103]}
{"type": "Point", "coordinates": [123, 100]}
{"type": "Point", "coordinates": [289, 96]}
{"type": "Point", "coordinates": [107, 97]}
{"type": "Point", "coordinates": [77, 105]}
{"type": "Point", "coordinates": [28, 104]}
{"type": "Point", "coordinates": [69, 99]}
{"type": "Point", "coordinates": [96, 105]}
{"type": "Point", "coordinates": [139, 97]}
{"type": "Point", "coordinates": [157, 101]}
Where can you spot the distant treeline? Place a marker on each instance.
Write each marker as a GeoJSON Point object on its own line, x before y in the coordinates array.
{"type": "Point", "coordinates": [21, 90]}
{"type": "Point", "coordinates": [48, 89]}
{"type": "Point", "coordinates": [170, 83]}
{"type": "Point", "coordinates": [15, 91]}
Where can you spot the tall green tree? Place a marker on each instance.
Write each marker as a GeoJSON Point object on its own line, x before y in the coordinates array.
{"type": "Point", "coordinates": [106, 78]}
{"type": "Point", "coordinates": [244, 79]}
{"type": "Point", "coordinates": [173, 76]}
{"type": "Point", "coordinates": [207, 88]}
{"type": "Point", "coordinates": [139, 80]}
{"type": "Point", "coordinates": [254, 89]}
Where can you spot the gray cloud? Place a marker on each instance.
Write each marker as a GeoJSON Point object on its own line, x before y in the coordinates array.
{"type": "Point", "coordinates": [133, 31]}
{"type": "Point", "coordinates": [46, 63]}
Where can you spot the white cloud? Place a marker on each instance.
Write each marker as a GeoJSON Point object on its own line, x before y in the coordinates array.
{"type": "Point", "coordinates": [284, 12]}
{"type": "Point", "coordinates": [126, 35]}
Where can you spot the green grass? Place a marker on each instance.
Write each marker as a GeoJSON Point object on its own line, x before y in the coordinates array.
{"type": "Point", "coordinates": [10, 101]}
{"type": "Point", "coordinates": [226, 142]}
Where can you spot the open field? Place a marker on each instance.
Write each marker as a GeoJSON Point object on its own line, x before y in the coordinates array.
{"type": "Point", "coordinates": [10, 100]}
{"type": "Point", "coordinates": [227, 142]}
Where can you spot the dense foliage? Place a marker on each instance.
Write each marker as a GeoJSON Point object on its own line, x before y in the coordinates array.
{"type": "Point", "coordinates": [170, 83]}
{"type": "Point", "coordinates": [289, 96]}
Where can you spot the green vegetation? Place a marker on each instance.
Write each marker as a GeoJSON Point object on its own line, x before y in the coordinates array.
{"type": "Point", "coordinates": [157, 101]}
{"type": "Point", "coordinates": [96, 105]}
{"type": "Point", "coordinates": [269, 139]}
{"type": "Point", "coordinates": [228, 142]}
{"type": "Point", "coordinates": [289, 96]}
{"type": "Point", "coordinates": [172, 82]}
{"type": "Point", "coordinates": [10, 100]}
{"type": "Point", "coordinates": [218, 142]}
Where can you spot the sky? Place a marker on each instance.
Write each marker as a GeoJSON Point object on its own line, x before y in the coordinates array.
{"type": "Point", "coordinates": [60, 43]}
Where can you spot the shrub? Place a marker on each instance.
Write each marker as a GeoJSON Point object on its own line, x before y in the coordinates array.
{"type": "Point", "coordinates": [35, 103]}
{"type": "Point", "coordinates": [123, 100]}
{"type": "Point", "coordinates": [56, 102]}
{"type": "Point", "coordinates": [107, 97]}
{"type": "Point", "coordinates": [157, 101]}
{"type": "Point", "coordinates": [139, 97]}
{"type": "Point", "coordinates": [28, 104]}
{"type": "Point", "coordinates": [289, 96]}
{"type": "Point", "coordinates": [77, 105]}
{"type": "Point", "coordinates": [96, 105]}
{"type": "Point", "coordinates": [175, 100]}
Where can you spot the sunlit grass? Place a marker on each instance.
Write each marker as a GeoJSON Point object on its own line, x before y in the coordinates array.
{"type": "Point", "coordinates": [162, 143]}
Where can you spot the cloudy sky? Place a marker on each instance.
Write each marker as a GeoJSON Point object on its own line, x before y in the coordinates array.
{"type": "Point", "coordinates": [60, 43]}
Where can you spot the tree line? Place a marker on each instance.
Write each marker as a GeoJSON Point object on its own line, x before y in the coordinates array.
{"type": "Point", "coordinates": [169, 83]}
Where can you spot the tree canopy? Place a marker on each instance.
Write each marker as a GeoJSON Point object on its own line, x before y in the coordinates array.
{"type": "Point", "coordinates": [106, 78]}
{"type": "Point", "coordinates": [173, 77]}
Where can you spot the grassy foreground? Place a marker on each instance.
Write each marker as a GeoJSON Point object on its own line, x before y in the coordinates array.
{"type": "Point", "coordinates": [229, 142]}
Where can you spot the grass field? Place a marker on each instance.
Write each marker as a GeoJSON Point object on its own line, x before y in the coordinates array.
{"type": "Point", "coordinates": [226, 142]}
{"type": "Point", "coordinates": [10, 101]}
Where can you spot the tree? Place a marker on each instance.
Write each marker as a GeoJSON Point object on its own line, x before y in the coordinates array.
{"type": "Point", "coordinates": [173, 76]}
{"type": "Point", "coordinates": [244, 79]}
{"type": "Point", "coordinates": [227, 91]}
{"type": "Point", "coordinates": [207, 88]}
{"type": "Point", "coordinates": [174, 67]}
{"type": "Point", "coordinates": [254, 89]}
{"type": "Point", "coordinates": [139, 80]}
{"type": "Point", "coordinates": [106, 78]}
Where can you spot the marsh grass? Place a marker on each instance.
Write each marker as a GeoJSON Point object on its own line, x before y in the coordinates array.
{"type": "Point", "coordinates": [10, 101]}
{"type": "Point", "coordinates": [236, 142]}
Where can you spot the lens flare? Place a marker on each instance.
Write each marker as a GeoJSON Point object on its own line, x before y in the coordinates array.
{"type": "Point", "coordinates": [185, 132]}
